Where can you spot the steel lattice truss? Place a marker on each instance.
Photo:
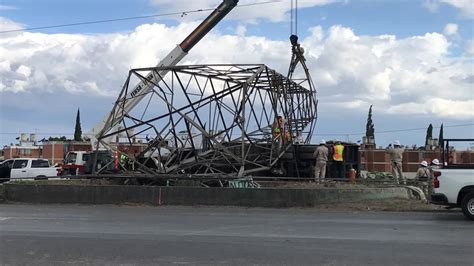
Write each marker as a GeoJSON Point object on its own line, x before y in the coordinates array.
{"type": "Point", "coordinates": [217, 119]}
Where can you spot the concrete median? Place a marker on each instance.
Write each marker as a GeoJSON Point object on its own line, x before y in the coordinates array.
{"type": "Point", "coordinates": [248, 197]}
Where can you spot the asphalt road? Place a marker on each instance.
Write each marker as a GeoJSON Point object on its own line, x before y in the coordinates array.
{"type": "Point", "coordinates": [129, 235]}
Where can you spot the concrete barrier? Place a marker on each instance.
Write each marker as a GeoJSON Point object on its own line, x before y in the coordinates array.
{"type": "Point", "coordinates": [263, 197]}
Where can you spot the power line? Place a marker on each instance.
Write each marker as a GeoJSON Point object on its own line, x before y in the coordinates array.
{"type": "Point", "coordinates": [322, 134]}
{"type": "Point", "coordinates": [390, 131]}
{"type": "Point", "coordinates": [182, 13]}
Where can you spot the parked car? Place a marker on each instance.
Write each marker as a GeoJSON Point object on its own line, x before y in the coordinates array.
{"type": "Point", "coordinates": [454, 183]}
{"type": "Point", "coordinates": [23, 168]}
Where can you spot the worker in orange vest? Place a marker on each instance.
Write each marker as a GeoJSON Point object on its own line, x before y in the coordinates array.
{"type": "Point", "coordinates": [338, 160]}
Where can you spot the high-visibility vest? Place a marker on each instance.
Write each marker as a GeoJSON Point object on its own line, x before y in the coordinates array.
{"type": "Point", "coordinates": [123, 157]}
{"type": "Point", "coordinates": [276, 132]}
{"type": "Point", "coordinates": [338, 150]}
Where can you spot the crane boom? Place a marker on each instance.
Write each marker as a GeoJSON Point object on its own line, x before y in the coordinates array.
{"type": "Point", "coordinates": [134, 96]}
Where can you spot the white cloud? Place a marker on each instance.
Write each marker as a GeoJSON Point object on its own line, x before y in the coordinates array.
{"type": "Point", "coordinates": [24, 70]}
{"type": "Point", "coordinates": [466, 7]}
{"type": "Point", "coordinates": [461, 109]}
{"type": "Point", "coordinates": [6, 7]}
{"type": "Point", "coordinates": [413, 75]}
{"type": "Point", "coordinates": [394, 73]}
{"type": "Point", "coordinates": [431, 5]}
{"type": "Point", "coordinates": [450, 29]}
{"type": "Point", "coordinates": [5, 66]}
{"type": "Point", "coordinates": [470, 48]}
{"type": "Point", "coordinates": [7, 25]}
{"type": "Point", "coordinates": [240, 30]}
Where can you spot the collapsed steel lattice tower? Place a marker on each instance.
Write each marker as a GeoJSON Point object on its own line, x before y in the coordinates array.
{"type": "Point", "coordinates": [217, 119]}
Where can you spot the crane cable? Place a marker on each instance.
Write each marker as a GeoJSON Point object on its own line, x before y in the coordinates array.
{"type": "Point", "coordinates": [294, 17]}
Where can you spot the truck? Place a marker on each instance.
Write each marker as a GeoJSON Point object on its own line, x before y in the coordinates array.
{"type": "Point", "coordinates": [24, 168]}
{"type": "Point", "coordinates": [81, 162]}
{"type": "Point", "coordinates": [74, 163]}
{"type": "Point", "coordinates": [453, 182]}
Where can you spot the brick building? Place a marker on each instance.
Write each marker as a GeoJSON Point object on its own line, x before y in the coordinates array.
{"type": "Point", "coordinates": [55, 151]}
{"type": "Point", "coordinates": [21, 151]}
{"type": "Point", "coordinates": [378, 160]}
{"type": "Point", "coordinates": [372, 160]}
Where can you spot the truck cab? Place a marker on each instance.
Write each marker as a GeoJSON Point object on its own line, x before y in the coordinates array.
{"type": "Point", "coordinates": [82, 162]}
{"type": "Point", "coordinates": [74, 163]}
{"type": "Point", "coordinates": [454, 182]}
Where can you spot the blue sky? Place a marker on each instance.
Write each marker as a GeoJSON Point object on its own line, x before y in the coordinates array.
{"type": "Point", "coordinates": [400, 17]}
{"type": "Point", "coordinates": [408, 21]}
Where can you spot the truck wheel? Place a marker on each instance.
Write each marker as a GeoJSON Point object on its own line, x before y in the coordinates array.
{"type": "Point", "coordinates": [467, 205]}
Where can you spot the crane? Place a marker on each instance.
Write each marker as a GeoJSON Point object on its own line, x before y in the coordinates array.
{"type": "Point", "coordinates": [230, 98]}
{"type": "Point", "coordinates": [137, 93]}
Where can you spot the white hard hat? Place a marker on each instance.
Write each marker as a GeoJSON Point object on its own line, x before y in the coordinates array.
{"type": "Point", "coordinates": [397, 143]}
{"type": "Point", "coordinates": [424, 163]}
{"type": "Point", "coordinates": [322, 141]}
{"type": "Point", "coordinates": [435, 162]}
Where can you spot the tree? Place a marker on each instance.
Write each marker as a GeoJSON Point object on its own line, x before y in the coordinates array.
{"type": "Point", "coordinates": [369, 128]}
{"type": "Point", "coordinates": [63, 138]}
{"type": "Point", "coordinates": [441, 136]}
{"type": "Point", "coordinates": [429, 134]}
{"type": "Point", "coordinates": [78, 130]}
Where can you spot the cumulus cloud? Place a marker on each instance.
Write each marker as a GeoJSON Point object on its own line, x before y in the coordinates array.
{"type": "Point", "coordinates": [408, 76]}
{"type": "Point", "coordinates": [275, 12]}
{"type": "Point", "coordinates": [431, 5]}
{"type": "Point", "coordinates": [50, 62]}
{"type": "Point", "coordinates": [470, 48]}
{"type": "Point", "coordinates": [450, 29]}
{"type": "Point", "coordinates": [466, 7]}
{"type": "Point", "coordinates": [413, 75]}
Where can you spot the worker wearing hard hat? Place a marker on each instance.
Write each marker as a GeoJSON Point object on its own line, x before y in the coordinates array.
{"type": "Point", "coordinates": [338, 160]}
{"type": "Point", "coordinates": [434, 165]}
{"type": "Point", "coordinates": [277, 127]}
{"type": "Point", "coordinates": [123, 159]}
{"type": "Point", "coordinates": [422, 177]}
{"type": "Point", "coordinates": [423, 172]}
{"type": "Point", "coordinates": [396, 154]}
{"type": "Point", "coordinates": [321, 155]}
{"type": "Point", "coordinates": [280, 127]}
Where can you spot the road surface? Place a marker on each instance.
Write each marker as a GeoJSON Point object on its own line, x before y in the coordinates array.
{"type": "Point", "coordinates": [129, 235]}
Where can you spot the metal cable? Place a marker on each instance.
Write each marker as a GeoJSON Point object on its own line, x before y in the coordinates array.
{"type": "Point", "coordinates": [182, 13]}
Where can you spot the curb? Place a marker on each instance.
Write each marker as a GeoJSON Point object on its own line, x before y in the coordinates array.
{"type": "Point", "coordinates": [190, 196]}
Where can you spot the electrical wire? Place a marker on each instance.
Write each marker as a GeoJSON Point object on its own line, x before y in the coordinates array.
{"type": "Point", "coordinates": [182, 13]}
{"type": "Point", "coordinates": [390, 131]}
{"type": "Point", "coordinates": [322, 134]}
